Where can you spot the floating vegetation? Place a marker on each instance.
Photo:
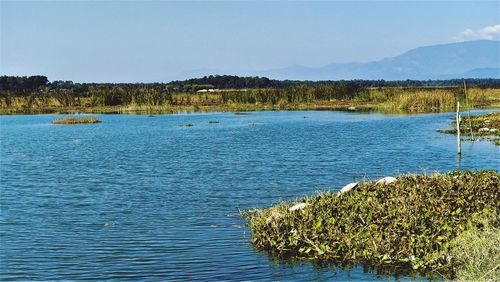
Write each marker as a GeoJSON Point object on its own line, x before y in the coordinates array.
{"type": "Point", "coordinates": [483, 126]}
{"type": "Point", "coordinates": [76, 120]}
{"type": "Point", "coordinates": [213, 121]}
{"type": "Point", "coordinates": [186, 125]}
{"type": "Point", "coordinates": [241, 113]}
{"type": "Point", "coordinates": [415, 224]}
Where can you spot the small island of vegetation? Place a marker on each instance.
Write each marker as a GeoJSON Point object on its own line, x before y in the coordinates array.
{"type": "Point", "coordinates": [485, 126]}
{"type": "Point", "coordinates": [441, 225]}
{"type": "Point", "coordinates": [76, 120]}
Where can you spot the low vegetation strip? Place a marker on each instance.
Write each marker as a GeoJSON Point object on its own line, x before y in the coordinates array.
{"type": "Point", "coordinates": [482, 126]}
{"type": "Point", "coordinates": [415, 223]}
{"type": "Point", "coordinates": [228, 93]}
{"type": "Point", "coordinates": [76, 120]}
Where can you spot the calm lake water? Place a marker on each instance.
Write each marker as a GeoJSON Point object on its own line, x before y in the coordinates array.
{"type": "Point", "coordinates": [142, 197]}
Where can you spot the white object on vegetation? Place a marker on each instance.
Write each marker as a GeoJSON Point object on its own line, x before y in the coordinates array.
{"type": "Point", "coordinates": [485, 129]}
{"type": "Point", "coordinates": [387, 180]}
{"type": "Point", "coordinates": [348, 187]}
{"type": "Point", "coordinates": [298, 206]}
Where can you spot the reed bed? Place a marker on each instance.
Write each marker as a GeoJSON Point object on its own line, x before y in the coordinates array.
{"type": "Point", "coordinates": [416, 223]}
{"type": "Point", "coordinates": [386, 99]}
{"type": "Point", "coordinates": [439, 101]}
{"type": "Point", "coordinates": [76, 120]}
{"type": "Point", "coordinates": [417, 100]}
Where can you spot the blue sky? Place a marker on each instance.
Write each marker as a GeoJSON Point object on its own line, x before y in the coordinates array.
{"type": "Point", "coordinates": [133, 41]}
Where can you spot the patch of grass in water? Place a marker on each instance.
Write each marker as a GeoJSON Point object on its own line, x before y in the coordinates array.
{"type": "Point", "coordinates": [186, 125]}
{"type": "Point", "coordinates": [409, 224]}
{"type": "Point", "coordinates": [483, 126]}
{"type": "Point", "coordinates": [76, 120]}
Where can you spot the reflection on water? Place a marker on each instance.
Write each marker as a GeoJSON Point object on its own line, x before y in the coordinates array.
{"type": "Point", "coordinates": [140, 197]}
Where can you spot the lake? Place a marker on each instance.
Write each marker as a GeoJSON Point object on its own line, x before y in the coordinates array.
{"type": "Point", "coordinates": [146, 198]}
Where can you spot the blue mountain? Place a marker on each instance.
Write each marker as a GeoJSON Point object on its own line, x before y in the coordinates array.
{"type": "Point", "coordinates": [470, 59]}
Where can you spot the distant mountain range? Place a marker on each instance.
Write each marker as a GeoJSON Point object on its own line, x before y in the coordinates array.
{"type": "Point", "coordinates": [470, 59]}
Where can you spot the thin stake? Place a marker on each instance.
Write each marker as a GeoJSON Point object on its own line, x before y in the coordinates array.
{"type": "Point", "coordinates": [458, 127]}
{"type": "Point", "coordinates": [468, 106]}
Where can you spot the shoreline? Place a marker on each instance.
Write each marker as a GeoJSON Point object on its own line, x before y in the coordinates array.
{"type": "Point", "coordinates": [343, 106]}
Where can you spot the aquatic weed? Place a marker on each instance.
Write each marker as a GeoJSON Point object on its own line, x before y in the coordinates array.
{"type": "Point", "coordinates": [409, 223]}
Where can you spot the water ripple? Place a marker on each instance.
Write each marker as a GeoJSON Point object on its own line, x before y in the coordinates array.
{"type": "Point", "coordinates": [137, 198]}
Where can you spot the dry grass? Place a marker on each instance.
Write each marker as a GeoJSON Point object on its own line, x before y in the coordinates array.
{"type": "Point", "coordinates": [431, 99]}
{"type": "Point", "coordinates": [438, 101]}
{"type": "Point", "coordinates": [476, 252]}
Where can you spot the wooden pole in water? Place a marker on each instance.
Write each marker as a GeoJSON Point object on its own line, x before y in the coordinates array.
{"type": "Point", "coordinates": [468, 106]}
{"type": "Point", "coordinates": [458, 127]}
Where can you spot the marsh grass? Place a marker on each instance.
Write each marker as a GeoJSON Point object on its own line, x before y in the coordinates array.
{"type": "Point", "coordinates": [408, 224]}
{"type": "Point", "coordinates": [435, 100]}
{"type": "Point", "coordinates": [476, 252]}
{"type": "Point", "coordinates": [384, 99]}
{"type": "Point", "coordinates": [76, 120]}
{"type": "Point", "coordinates": [419, 100]}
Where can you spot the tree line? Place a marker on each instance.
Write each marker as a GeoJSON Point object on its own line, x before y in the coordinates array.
{"type": "Point", "coordinates": [23, 84]}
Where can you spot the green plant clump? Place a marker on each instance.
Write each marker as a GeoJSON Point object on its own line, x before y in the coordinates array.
{"type": "Point", "coordinates": [76, 120]}
{"type": "Point", "coordinates": [412, 224]}
{"type": "Point", "coordinates": [485, 126]}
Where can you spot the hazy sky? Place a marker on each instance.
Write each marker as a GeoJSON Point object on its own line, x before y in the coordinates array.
{"type": "Point", "coordinates": [131, 41]}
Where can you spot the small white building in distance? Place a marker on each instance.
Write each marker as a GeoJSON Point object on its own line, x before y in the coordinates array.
{"type": "Point", "coordinates": [206, 90]}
